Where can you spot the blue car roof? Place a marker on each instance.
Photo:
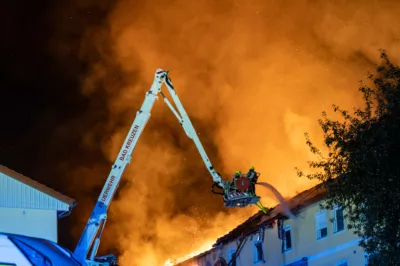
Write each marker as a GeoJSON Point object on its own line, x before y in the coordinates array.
{"type": "Point", "coordinates": [54, 252]}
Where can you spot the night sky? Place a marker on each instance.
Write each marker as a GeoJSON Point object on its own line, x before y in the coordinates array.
{"type": "Point", "coordinates": [44, 114]}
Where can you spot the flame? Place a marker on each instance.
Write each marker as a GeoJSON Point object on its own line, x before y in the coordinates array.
{"type": "Point", "coordinates": [251, 95]}
{"type": "Point", "coordinates": [205, 247]}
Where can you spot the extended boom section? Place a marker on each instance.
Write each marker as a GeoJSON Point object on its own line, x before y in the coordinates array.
{"type": "Point", "coordinates": [239, 192]}
{"type": "Point", "coordinates": [93, 229]}
{"type": "Point", "coordinates": [187, 125]}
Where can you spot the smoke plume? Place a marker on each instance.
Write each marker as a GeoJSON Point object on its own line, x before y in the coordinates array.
{"type": "Point", "coordinates": [253, 76]}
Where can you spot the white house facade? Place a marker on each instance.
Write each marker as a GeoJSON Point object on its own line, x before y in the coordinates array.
{"type": "Point", "coordinates": [30, 208]}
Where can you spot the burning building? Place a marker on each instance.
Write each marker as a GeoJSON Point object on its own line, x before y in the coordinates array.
{"type": "Point", "coordinates": [316, 237]}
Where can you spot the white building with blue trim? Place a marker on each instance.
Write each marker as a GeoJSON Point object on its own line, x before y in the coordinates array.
{"type": "Point", "coordinates": [30, 208]}
{"type": "Point", "coordinates": [317, 237]}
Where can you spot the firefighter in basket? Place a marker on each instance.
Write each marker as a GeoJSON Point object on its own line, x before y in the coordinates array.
{"type": "Point", "coordinates": [252, 175]}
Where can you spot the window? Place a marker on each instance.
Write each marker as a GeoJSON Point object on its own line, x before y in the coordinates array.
{"type": "Point", "coordinates": [337, 219]}
{"type": "Point", "coordinates": [258, 254]}
{"type": "Point", "coordinates": [321, 224]}
{"type": "Point", "coordinates": [287, 239]}
{"type": "Point", "coordinates": [342, 263]}
{"type": "Point", "coordinates": [230, 255]}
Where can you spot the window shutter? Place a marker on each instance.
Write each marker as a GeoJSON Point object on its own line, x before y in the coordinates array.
{"type": "Point", "coordinates": [334, 218]}
{"type": "Point", "coordinates": [321, 224]}
{"type": "Point", "coordinates": [280, 228]}
{"type": "Point", "coordinates": [321, 220]}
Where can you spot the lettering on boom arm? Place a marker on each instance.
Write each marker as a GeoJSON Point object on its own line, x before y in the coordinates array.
{"type": "Point", "coordinates": [107, 190]}
{"type": "Point", "coordinates": [122, 157]}
{"type": "Point", "coordinates": [129, 142]}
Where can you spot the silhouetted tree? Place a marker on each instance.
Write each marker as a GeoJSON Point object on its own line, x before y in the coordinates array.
{"type": "Point", "coordinates": [362, 170]}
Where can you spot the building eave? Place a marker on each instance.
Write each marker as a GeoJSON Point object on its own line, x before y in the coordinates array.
{"type": "Point", "coordinates": [64, 202]}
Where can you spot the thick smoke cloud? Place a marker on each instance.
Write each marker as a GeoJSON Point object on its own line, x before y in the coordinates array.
{"type": "Point", "coordinates": [254, 76]}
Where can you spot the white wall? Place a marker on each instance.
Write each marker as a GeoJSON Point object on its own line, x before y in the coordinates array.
{"type": "Point", "coordinates": [29, 222]}
{"type": "Point", "coordinates": [328, 251]}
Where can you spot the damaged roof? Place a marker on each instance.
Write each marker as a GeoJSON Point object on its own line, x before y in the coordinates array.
{"type": "Point", "coordinates": [251, 225]}
{"type": "Point", "coordinates": [295, 204]}
{"type": "Point", "coordinates": [194, 258]}
{"type": "Point", "coordinates": [13, 190]}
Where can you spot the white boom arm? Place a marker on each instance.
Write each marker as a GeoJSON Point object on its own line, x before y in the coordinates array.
{"type": "Point", "coordinates": [90, 237]}
{"type": "Point", "coordinates": [187, 125]}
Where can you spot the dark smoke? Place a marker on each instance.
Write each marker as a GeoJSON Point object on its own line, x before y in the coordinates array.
{"type": "Point", "coordinates": [45, 118]}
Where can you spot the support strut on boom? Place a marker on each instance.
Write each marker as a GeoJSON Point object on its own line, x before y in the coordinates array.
{"type": "Point", "coordinates": [237, 193]}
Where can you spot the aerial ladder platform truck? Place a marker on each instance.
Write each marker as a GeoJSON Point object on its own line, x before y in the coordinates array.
{"type": "Point", "coordinates": [236, 193]}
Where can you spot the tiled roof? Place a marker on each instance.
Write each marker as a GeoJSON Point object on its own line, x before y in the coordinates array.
{"type": "Point", "coordinates": [34, 184]}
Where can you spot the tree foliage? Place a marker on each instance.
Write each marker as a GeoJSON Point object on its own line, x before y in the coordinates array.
{"type": "Point", "coordinates": [362, 169]}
